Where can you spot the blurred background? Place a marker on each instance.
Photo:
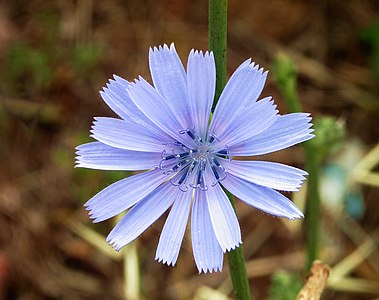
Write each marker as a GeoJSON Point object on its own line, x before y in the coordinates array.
{"type": "Point", "coordinates": [55, 56]}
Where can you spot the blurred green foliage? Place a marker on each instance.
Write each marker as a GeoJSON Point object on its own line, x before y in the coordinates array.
{"type": "Point", "coordinates": [26, 66]}
{"type": "Point", "coordinates": [330, 134]}
{"type": "Point", "coordinates": [285, 75]}
{"type": "Point", "coordinates": [30, 65]}
{"type": "Point", "coordinates": [285, 286]}
{"type": "Point", "coordinates": [370, 35]}
{"type": "Point", "coordinates": [85, 58]}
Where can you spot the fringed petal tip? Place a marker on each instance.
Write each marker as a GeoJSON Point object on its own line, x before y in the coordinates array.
{"type": "Point", "coordinates": [97, 220]}
{"type": "Point", "coordinates": [95, 217]}
{"type": "Point", "coordinates": [78, 163]}
{"type": "Point", "coordinates": [119, 79]}
{"type": "Point", "coordinates": [290, 216]}
{"type": "Point", "coordinates": [206, 54]}
{"type": "Point", "coordinates": [254, 67]}
{"type": "Point", "coordinates": [112, 242]}
{"type": "Point", "coordinates": [90, 205]}
{"type": "Point", "coordinates": [294, 215]}
{"type": "Point", "coordinates": [172, 48]}
{"type": "Point", "coordinates": [162, 47]}
{"type": "Point", "coordinates": [115, 86]}
{"type": "Point", "coordinates": [114, 245]}
{"type": "Point", "coordinates": [232, 247]}
{"type": "Point", "coordinates": [138, 82]}
{"type": "Point", "coordinates": [302, 173]}
{"type": "Point", "coordinates": [78, 148]}
{"type": "Point", "coordinates": [94, 123]}
{"type": "Point", "coordinates": [212, 269]}
{"type": "Point", "coordinates": [115, 242]}
{"type": "Point", "coordinates": [164, 261]}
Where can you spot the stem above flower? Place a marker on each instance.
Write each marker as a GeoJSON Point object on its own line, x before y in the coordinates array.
{"type": "Point", "coordinates": [217, 34]}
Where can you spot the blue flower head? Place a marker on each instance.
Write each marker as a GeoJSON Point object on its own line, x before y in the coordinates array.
{"type": "Point", "coordinates": [166, 130]}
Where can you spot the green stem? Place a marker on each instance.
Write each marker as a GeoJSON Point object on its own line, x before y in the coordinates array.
{"type": "Point", "coordinates": [237, 267]}
{"type": "Point", "coordinates": [313, 205]}
{"type": "Point", "coordinates": [217, 43]}
{"type": "Point", "coordinates": [286, 77]}
{"type": "Point", "coordinates": [217, 32]}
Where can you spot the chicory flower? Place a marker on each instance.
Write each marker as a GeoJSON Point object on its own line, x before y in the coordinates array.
{"type": "Point", "coordinates": [165, 129]}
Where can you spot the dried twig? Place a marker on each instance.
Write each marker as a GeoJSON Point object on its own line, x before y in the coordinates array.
{"type": "Point", "coordinates": [315, 283]}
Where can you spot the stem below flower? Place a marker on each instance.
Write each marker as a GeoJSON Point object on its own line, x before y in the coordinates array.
{"type": "Point", "coordinates": [217, 33]}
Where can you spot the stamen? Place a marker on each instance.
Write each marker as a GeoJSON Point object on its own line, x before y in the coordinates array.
{"type": "Point", "coordinates": [193, 151]}
{"type": "Point", "coordinates": [164, 159]}
{"type": "Point", "coordinates": [225, 152]}
{"type": "Point", "coordinates": [191, 135]}
{"type": "Point", "coordinates": [173, 144]}
{"type": "Point", "coordinates": [194, 137]}
{"type": "Point", "coordinates": [200, 179]}
{"type": "Point", "coordinates": [211, 138]}
{"type": "Point", "coordinates": [215, 161]}
{"type": "Point", "coordinates": [181, 155]}
{"type": "Point", "coordinates": [218, 170]}
{"type": "Point", "coordinates": [184, 174]}
{"type": "Point", "coordinates": [174, 169]}
{"type": "Point", "coordinates": [215, 172]}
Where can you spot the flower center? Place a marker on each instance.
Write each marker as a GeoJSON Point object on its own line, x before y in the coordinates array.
{"type": "Point", "coordinates": [187, 166]}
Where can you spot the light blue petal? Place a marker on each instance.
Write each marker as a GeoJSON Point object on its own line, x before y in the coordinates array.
{"type": "Point", "coordinates": [206, 250]}
{"type": "Point", "coordinates": [126, 135]}
{"type": "Point", "coordinates": [115, 95]}
{"type": "Point", "coordinates": [269, 174]}
{"type": "Point", "coordinates": [242, 89]}
{"type": "Point", "coordinates": [174, 228]}
{"type": "Point", "coordinates": [169, 78]}
{"type": "Point", "coordinates": [99, 156]}
{"type": "Point", "coordinates": [151, 103]}
{"type": "Point", "coordinates": [288, 130]}
{"type": "Point", "coordinates": [117, 98]}
{"type": "Point", "coordinates": [223, 217]}
{"type": "Point", "coordinates": [123, 194]}
{"type": "Point", "coordinates": [263, 198]}
{"type": "Point", "coordinates": [201, 80]}
{"type": "Point", "coordinates": [256, 119]}
{"type": "Point", "coordinates": [142, 215]}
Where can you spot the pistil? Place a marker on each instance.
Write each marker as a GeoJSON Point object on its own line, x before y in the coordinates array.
{"type": "Point", "coordinates": [187, 166]}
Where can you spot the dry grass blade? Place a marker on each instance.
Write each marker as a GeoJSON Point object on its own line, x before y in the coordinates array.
{"type": "Point", "coordinates": [358, 285]}
{"type": "Point", "coordinates": [204, 293]}
{"type": "Point", "coordinates": [94, 238]}
{"type": "Point", "coordinates": [268, 265]}
{"type": "Point", "coordinates": [351, 261]}
{"type": "Point", "coordinates": [131, 272]}
{"type": "Point", "coordinates": [362, 172]}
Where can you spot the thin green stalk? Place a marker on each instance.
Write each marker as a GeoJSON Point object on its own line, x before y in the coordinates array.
{"type": "Point", "coordinates": [217, 43]}
{"type": "Point", "coordinates": [286, 77]}
{"type": "Point", "coordinates": [313, 207]}
{"type": "Point", "coordinates": [217, 31]}
{"type": "Point", "coordinates": [237, 267]}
